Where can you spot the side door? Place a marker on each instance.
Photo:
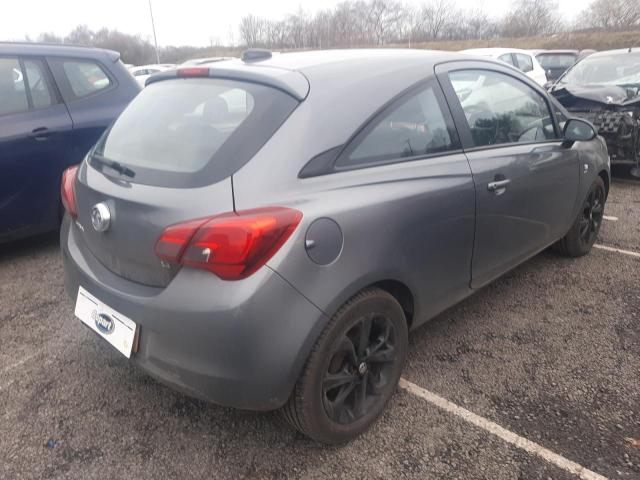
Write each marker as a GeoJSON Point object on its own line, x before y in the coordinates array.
{"type": "Point", "coordinates": [35, 129]}
{"type": "Point", "coordinates": [87, 87]}
{"type": "Point", "coordinates": [526, 180]}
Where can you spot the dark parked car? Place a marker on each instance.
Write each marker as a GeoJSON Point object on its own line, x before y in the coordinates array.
{"type": "Point", "coordinates": [263, 234]}
{"type": "Point", "coordinates": [55, 102]}
{"type": "Point", "coordinates": [556, 62]}
{"type": "Point", "coordinates": [604, 88]}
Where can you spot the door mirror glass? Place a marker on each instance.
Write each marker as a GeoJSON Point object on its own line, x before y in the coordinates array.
{"type": "Point", "coordinates": [578, 130]}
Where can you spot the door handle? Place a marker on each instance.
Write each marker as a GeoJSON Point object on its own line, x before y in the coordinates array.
{"type": "Point", "coordinates": [40, 134]}
{"type": "Point", "coordinates": [498, 186]}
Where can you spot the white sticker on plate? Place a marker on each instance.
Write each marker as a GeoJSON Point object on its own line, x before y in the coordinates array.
{"type": "Point", "coordinates": [114, 327]}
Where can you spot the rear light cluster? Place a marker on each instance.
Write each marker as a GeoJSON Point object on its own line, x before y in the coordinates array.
{"type": "Point", "coordinates": [232, 245]}
{"type": "Point", "coordinates": [68, 190]}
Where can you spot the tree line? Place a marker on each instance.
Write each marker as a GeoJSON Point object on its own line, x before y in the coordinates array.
{"type": "Point", "coordinates": [381, 22]}
{"type": "Point", "coordinates": [362, 23]}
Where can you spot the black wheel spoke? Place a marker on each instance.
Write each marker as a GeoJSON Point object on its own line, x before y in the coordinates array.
{"type": "Point", "coordinates": [382, 356]}
{"type": "Point", "coordinates": [361, 396]}
{"type": "Point", "coordinates": [584, 226]}
{"type": "Point", "coordinates": [365, 333]}
{"type": "Point", "coordinates": [338, 402]}
{"type": "Point", "coordinates": [334, 380]}
{"type": "Point", "coordinates": [598, 209]}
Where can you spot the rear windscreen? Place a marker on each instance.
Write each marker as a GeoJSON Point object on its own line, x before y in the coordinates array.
{"type": "Point", "coordinates": [556, 60]}
{"type": "Point", "coordinates": [191, 132]}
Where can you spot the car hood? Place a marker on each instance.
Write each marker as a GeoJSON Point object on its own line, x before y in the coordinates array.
{"type": "Point", "coordinates": [576, 95]}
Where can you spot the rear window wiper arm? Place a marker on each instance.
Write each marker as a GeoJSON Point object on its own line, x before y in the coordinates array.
{"type": "Point", "coordinates": [114, 165]}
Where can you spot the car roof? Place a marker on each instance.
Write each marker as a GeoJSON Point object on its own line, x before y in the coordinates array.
{"type": "Point", "coordinates": [493, 51]}
{"type": "Point", "coordinates": [336, 59]}
{"type": "Point", "coordinates": [53, 50]}
{"type": "Point", "coordinates": [557, 51]}
{"type": "Point", "coordinates": [296, 72]}
{"type": "Point", "coordinates": [205, 60]}
{"type": "Point", "coordinates": [151, 65]}
{"type": "Point", "coordinates": [619, 51]}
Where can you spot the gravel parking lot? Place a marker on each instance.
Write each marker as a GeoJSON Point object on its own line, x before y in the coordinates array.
{"type": "Point", "coordinates": [551, 352]}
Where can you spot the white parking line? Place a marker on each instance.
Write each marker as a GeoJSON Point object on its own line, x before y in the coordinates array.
{"type": "Point", "coordinates": [506, 435]}
{"type": "Point", "coordinates": [610, 218]}
{"type": "Point", "coordinates": [617, 250]}
{"type": "Point", "coordinates": [18, 363]}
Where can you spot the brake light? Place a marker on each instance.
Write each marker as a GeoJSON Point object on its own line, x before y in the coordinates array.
{"type": "Point", "coordinates": [193, 72]}
{"type": "Point", "coordinates": [68, 190]}
{"type": "Point", "coordinates": [231, 245]}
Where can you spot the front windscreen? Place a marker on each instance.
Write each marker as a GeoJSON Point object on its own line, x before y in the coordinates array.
{"type": "Point", "coordinates": [616, 69]}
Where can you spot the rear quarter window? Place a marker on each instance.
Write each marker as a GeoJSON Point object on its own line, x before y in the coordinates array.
{"type": "Point", "coordinates": [192, 132]}
{"type": "Point", "coordinates": [85, 77]}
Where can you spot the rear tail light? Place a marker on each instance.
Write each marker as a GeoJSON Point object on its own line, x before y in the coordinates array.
{"type": "Point", "coordinates": [232, 245]}
{"type": "Point", "coordinates": [68, 190]}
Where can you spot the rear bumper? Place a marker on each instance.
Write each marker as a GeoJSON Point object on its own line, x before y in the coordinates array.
{"type": "Point", "coordinates": [240, 344]}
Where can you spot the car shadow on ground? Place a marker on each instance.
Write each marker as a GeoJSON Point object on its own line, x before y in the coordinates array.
{"type": "Point", "coordinates": [29, 246]}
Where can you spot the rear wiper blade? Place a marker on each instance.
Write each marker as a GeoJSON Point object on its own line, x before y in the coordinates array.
{"type": "Point", "coordinates": [114, 165]}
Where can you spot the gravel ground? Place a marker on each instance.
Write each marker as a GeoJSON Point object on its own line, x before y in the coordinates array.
{"type": "Point", "coordinates": [551, 352]}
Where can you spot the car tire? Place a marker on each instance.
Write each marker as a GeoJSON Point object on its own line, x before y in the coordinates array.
{"type": "Point", "coordinates": [584, 231]}
{"type": "Point", "coordinates": [352, 371]}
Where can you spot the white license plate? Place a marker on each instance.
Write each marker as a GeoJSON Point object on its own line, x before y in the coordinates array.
{"type": "Point", "coordinates": [114, 327]}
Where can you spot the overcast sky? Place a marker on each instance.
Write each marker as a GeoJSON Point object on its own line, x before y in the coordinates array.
{"type": "Point", "coordinates": [178, 22]}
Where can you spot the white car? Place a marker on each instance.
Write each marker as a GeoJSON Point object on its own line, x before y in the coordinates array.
{"type": "Point", "coordinates": [143, 72]}
{"type": "Point", "coordinates": [521, 59]}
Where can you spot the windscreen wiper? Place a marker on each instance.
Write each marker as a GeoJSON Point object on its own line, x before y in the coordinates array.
{"type": "Point", "coordinates": [114, 165]}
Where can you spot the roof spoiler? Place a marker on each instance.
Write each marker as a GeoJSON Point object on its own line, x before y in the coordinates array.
{"type": "Point", "coordinates": [289, 81]}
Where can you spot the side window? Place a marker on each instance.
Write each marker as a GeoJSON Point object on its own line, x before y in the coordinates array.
{"type": "Point", "coordinates": [500, 109]}
{"type": "Point", "coordinates": [411, 128]}
{"type": "Point", "coordinates": [85, 77]}
{"type": "Point", "coordinates": [525, 63]}
{"type": "Point", "coordinates": [37, 82]}
{"type": "Point", "coordinates": [13, 93]}
{"type": "Point", "coordinates": [507, 58]}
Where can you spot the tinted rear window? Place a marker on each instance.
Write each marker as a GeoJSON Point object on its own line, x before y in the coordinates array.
{"type": "Point", "coordinates": [556, 60]}
{"type": "Point", "coordinates": [193, 132]}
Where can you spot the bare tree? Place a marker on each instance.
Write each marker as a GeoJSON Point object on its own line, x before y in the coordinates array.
{"type": "Point", "coordinates": [532, 17]}
{"type": "Point", "coordinates": [611, 14]}
{"type": "Point", "coordinates": [252, 30]}
{"type": "Point", "coordinates": [435, 16]}
{"type": "Point", "coordinates": [297, 29]}
{"type": "Point", "coordinates": [383, 19]}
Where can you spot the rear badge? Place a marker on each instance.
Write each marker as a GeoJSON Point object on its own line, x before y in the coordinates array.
{"type": "Point", "coordinates": [100, 217]}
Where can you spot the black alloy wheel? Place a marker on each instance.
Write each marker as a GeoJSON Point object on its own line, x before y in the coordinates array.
{"type": "Point", "coordinates": [584, 231]}
{"type": "Point", "coordinates": [352, 371]}
{"type": "Point", "coordinates": [359, 368]}
{"type": "Point", "coordinates": [592, 213]}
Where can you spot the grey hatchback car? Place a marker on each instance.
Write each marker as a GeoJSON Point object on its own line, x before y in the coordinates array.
{"type": "Point", "coordinates": [263, 233]}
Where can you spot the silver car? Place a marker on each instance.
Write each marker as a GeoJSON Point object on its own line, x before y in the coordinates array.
{"type": "Point", "coordinates": [263, 233]}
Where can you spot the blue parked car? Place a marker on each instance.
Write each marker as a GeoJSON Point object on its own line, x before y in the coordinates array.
{"type": "Point", "coordinates": [55, 102]}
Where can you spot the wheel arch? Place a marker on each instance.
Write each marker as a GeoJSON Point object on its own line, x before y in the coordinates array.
{"type": "Point", "coordinates": [402, 293]}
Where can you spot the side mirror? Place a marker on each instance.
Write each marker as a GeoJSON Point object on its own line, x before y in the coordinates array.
{"type": "Point", "coordinates": [579, 130]}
